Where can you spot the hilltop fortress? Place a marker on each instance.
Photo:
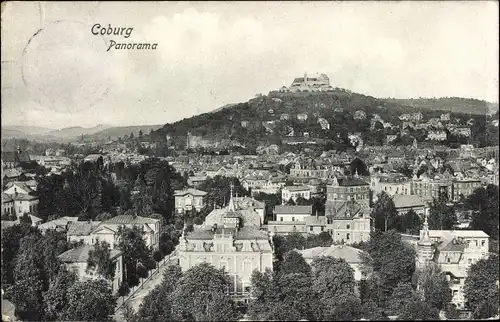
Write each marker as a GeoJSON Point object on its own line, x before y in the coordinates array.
{"type": "Point", "coordinates": [320, 83]}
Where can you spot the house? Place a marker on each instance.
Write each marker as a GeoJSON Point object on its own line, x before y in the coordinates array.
{"type": "Point", "coordinates": [462, 188]}
{"type": "Point", "coordinates": [108, 229]}
{"type": "Point", "coordinates": [390, 137]}
{"type": "Point", "coordinates": [302, 116]}
{"type": "Point", "coordinates": [390, 184]}
{"type": "Point", "coordinates": [436, 135]}
{"type": "Point", "coordinates": [445, 117]}
{"type": "Point", "coordinates": [292, 213]}
{"type": "Point", "coordinates": [60, 224]}
{"type": "Point", "coordinates": [294, 192]}
{"type": "Point", "coordinates": [350, 254]}
{"type": "Point", "coordinates": [17, 187]}
{"type": "Point", "coordinates": [359, 115]}
{"type": "Point", "coordinates": [454, 251]}
{"type": "Point", "coordinates": [76, 261]}
{"type": "Point", "coordinates": [10, 175]}
{"type": "Point", "coordinates": [189, 199]}
{"type": "Point", "coordinates": [230, 238]}
{"type": "Point", "coordinates": [284, 116]}
{"type": "Point", "coordinates": [348, 221]}
{"type": "Point", "coordinates": [405, 203]}
{"type": "Point", "coordinates": [196, 181]}
{"type": "Point", "coordinates": [25, 204]}
{"type": "Point", "coordinates": [244, 124]}
{"type": "Point", "coordinates": [81, 231]}
{"type": "Point", "coordinates": [348, 188]}
{"type": "Point", "coordinates": [13, 159]}
{"type": "Point", "coordinates": [396, 156]}
{"type": "Point", "coordinates": [323, 123]}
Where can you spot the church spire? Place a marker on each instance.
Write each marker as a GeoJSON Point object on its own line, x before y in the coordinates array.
{"type": "Point", "coordinates": [231, 200]}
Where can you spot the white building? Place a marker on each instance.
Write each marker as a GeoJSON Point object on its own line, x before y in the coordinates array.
{"type": "Point", "coordinates": [294, 192]}
{"type": "Point", "coordinates": [76, 261]}
{"type": "Point", "coordinates": [292, 213]}
{"type": "Point", "coordinates": [455, 251]}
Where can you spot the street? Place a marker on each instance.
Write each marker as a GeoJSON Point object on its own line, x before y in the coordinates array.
{"type": "Point", "coordinates": [136, 300]}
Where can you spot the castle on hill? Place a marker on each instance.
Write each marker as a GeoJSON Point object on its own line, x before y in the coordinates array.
{"type": "Point", "coordinates": [319, 83]}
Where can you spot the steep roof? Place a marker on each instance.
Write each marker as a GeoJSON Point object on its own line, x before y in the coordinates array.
{"type": "Point", "coordinates": [19, 184]}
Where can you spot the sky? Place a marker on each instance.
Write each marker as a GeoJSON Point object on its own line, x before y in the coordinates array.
{"type": "Point", "coordinates": [56, 73]}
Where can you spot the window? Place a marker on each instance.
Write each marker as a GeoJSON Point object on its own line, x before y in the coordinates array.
{"type": "Point", "coordinates": [247, 267]}
{"type": "Point", "coordinates": [281, 218]}
{"type": "Point", "coordinates": [293, 218]}
{"type": "Point", "coordinates": [311, 228]}
{"type": "Point", "coordinates": [348, 226]}
{"type": "Point", "coordinates": [348, 236]}
{"type": "Point", "coordinates": [469, 261]}
{"type": "Point", "coordinates": [448, 260]}
{"type": "Point", "coordinates": [482, 243]}
{"type": "Point", "coordinates": [322, 228]}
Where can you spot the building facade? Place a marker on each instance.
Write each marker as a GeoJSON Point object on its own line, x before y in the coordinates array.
{"type": "Point", "coordinates": [230, 238]}
{"type": "Point", "coordinates": [188, 200]}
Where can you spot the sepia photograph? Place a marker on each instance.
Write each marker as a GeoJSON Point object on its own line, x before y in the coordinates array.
{"type": "Point", "coordinates": [250, 161]}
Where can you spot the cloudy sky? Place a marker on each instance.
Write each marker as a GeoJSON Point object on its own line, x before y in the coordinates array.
{"type": "Point", "coordinates": [56, 73]}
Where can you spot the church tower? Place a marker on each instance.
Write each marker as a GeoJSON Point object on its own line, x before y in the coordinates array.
{"type": "Point", "coordinates": [424, 245]}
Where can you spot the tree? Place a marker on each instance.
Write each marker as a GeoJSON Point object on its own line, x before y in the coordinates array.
{"type": "Point", "coordinates": [157, 305]}
{"type": "Point", "coordinates": [56, 298]}
{"type": "Point", "coordinates": [294, 263]}
{"type": "Point", "coordinates": [419, 310]}
{"type": "Point", "coordinates": [201, 295]}
{"type": "Point", "coordinates": [11, 240]}
{"type": "Point", "coordinates": [140, 133]}
{"type": "Point", "coordinates": [371, 311]}
{"type": "Point", "coordinates": [384, 213]}
{"type": "Point", "coordinates": [481, 285]}
{"type": "Point", "coordinates": [484, 203]}
{"type": "Point", "coordinates": [281, 296]}
{"type": "Point", "coordinates": [436, 290]}
{"type": "Point", "coordinates": [411, 223]}
{"type": "Point", "coordinates": [390, 260]}
{"type": "Point", "coordinates": [100, 260]}
{"type": "Point", "coordinates": [134, 249]}
{"type": "Point", "coordinates": [333, 282]}
{"type": "Point", "coordinates": [90, 300]}
{"type": "Point", "coordinates": [441, 216]}
{"type": "Point", "coordinates": [402, 295]}
{"type": "Point", "coordinates": [103, 216]}
{"type": "Point", "coordinates": [27, 291]}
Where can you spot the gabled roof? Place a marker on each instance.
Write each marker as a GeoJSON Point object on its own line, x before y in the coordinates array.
{"type": "Point", "coordinates": [82, 228]}
{"type": "Point", "coordinates": [19, 184]}
{"type": "Point", "coordinates": [191, 191]}
{"type": "Point", "coordinates": [81, 254]}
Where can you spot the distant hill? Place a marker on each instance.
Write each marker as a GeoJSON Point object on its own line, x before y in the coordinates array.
{"type": "Point", "coordinates": [450, 104]}
{"type": "Point", "coordinates": [268, 119]}
{"type": "Point", "coordinates": [77, 131]}
{"type": "Point", "coordinates": [97, 133]}
{"type": "Point", "coordinates": [113, 133]}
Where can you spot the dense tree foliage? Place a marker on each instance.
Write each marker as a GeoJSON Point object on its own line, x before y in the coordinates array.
{"type": "Point", "coordinates": [390, 261]}
{"type": "Point", "coordinates": [434, 286]}
{"type": "Point", "coordinates": [441, 215]}
{"type": "Point", "coordinates": [134, 249]}
{"type": "Point", "coordinates": [384, 213]}
{"type": "Point", "coordinates": [90, 300]}
{"type": "Point", "coordinates": [201, 295]}
{"type": "Point", "coordinates": [100, 260]}
{"type": "Point", "coordinates": [484, 204]}
{"type": "Point", "coordinates": [481, 287]}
